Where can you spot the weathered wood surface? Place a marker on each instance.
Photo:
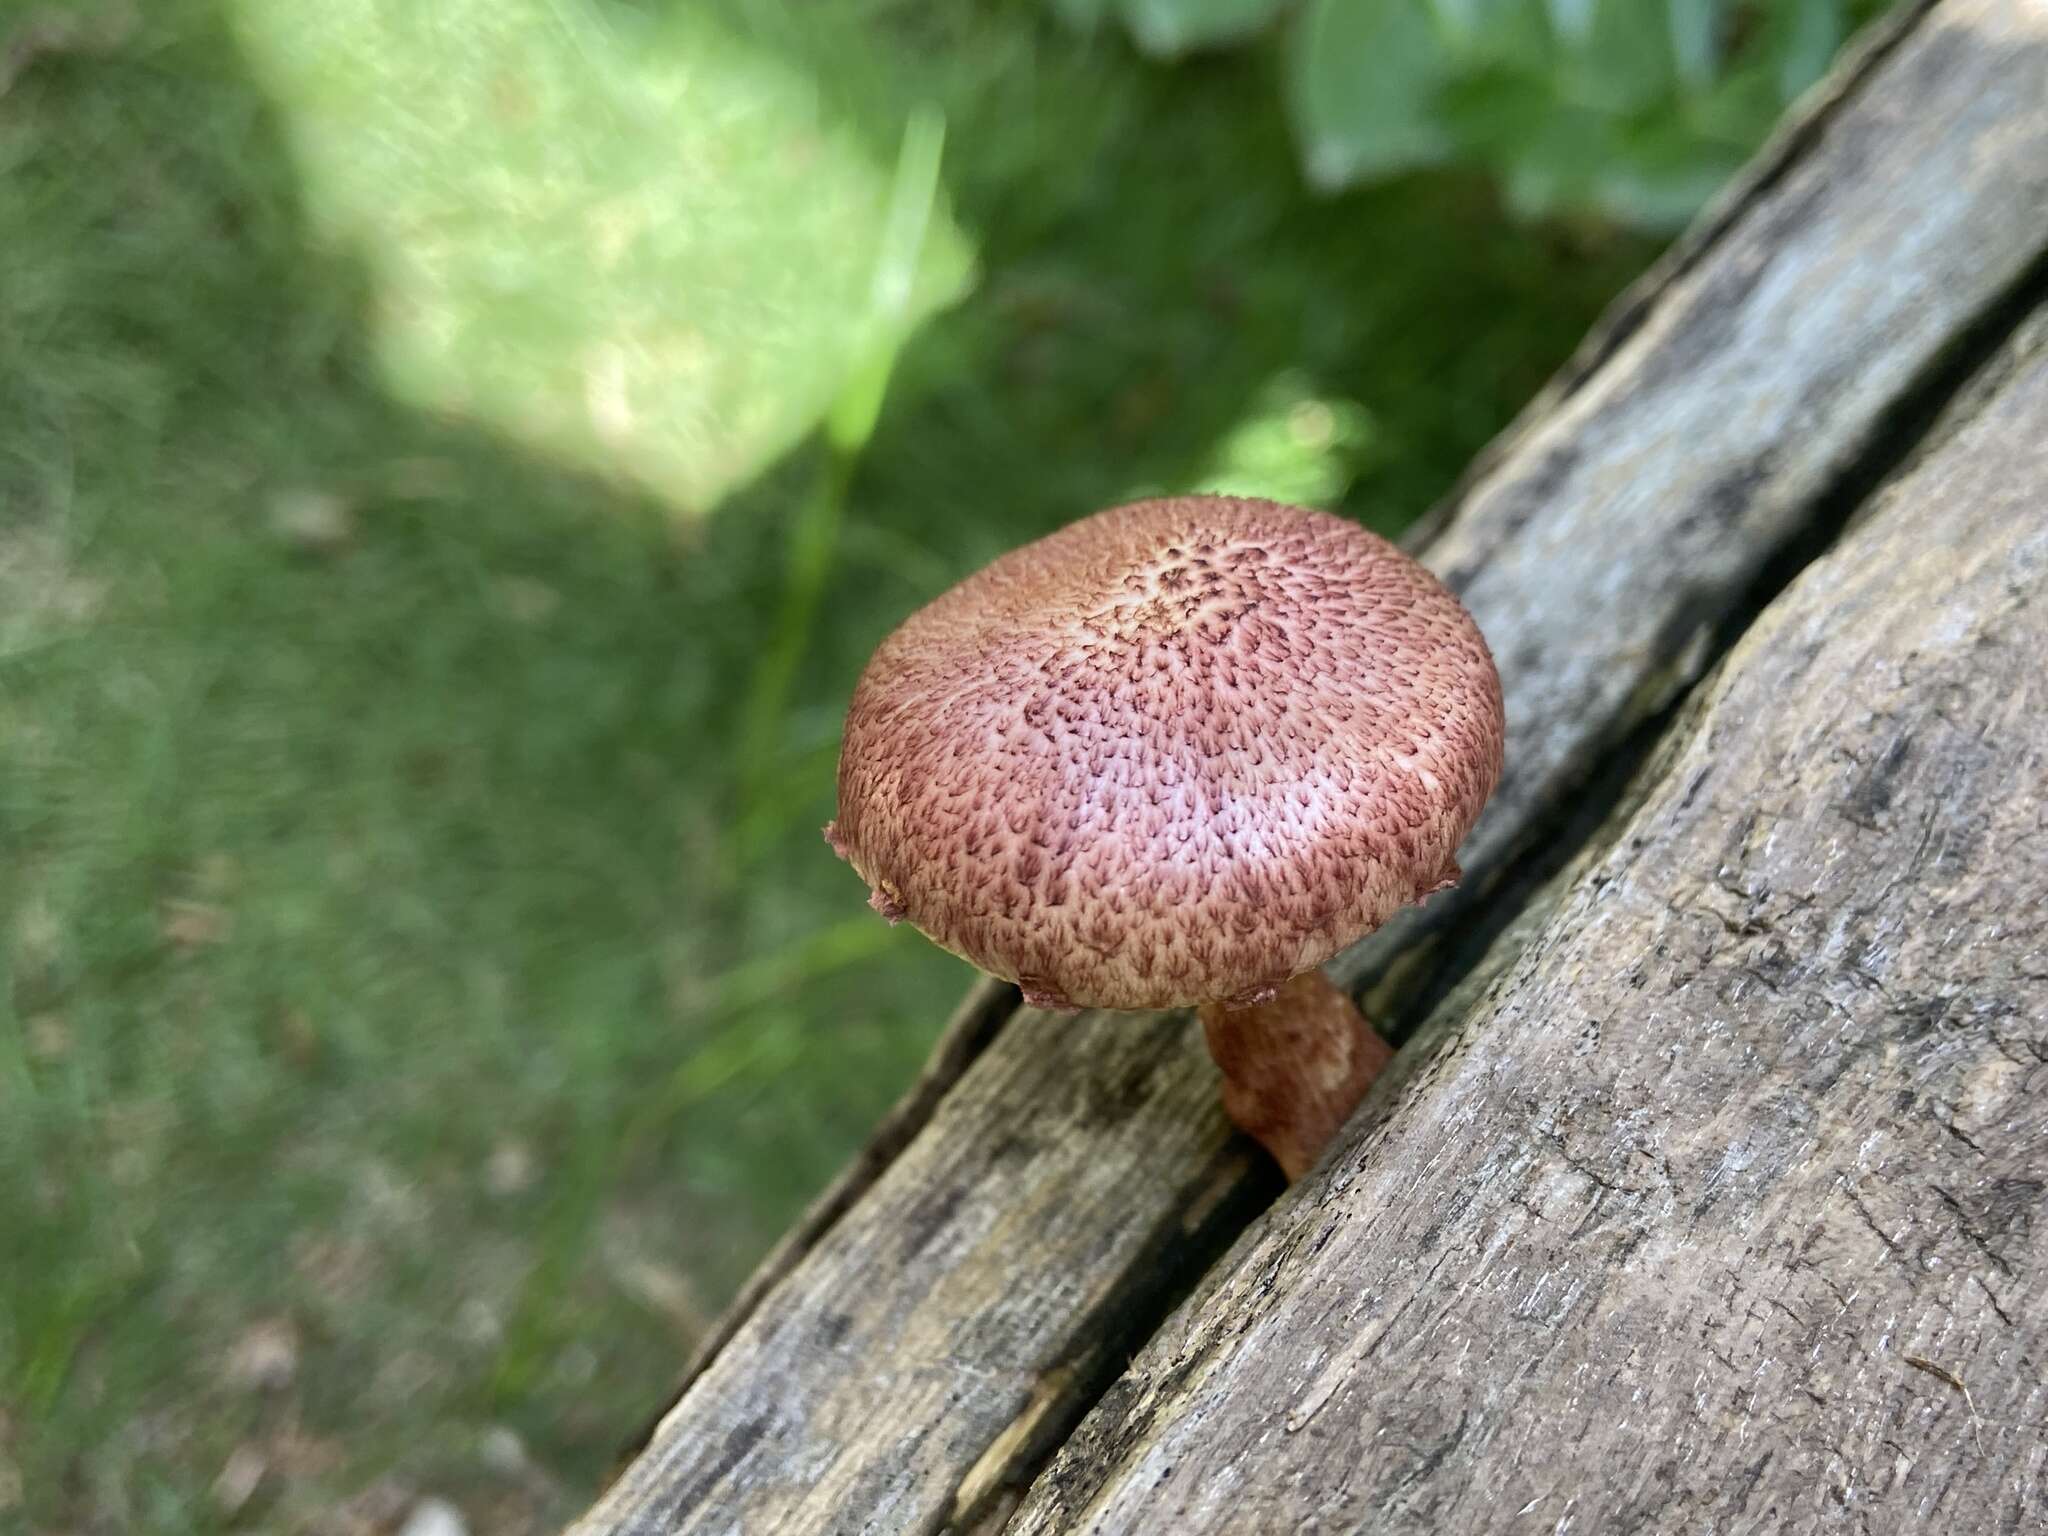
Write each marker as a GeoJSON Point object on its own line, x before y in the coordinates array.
{"type": "Point", "coordinates": [916, 1362]}
{"type": "Point", "coordinates": [1727, 1207]}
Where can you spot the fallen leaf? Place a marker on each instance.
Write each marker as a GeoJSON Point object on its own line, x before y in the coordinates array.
{"type": "Point", "coordinates": [238, 1480]}
{"type": "Point", "coordinates": [266, 1356]}
{"type": "Point", "coordinates": [434, 1517]}
{"type": "Point", "coordinates": [312, 522]}
{"type": "Point", "coordinates": [512, 1169]}
{"type": "Point", "coordinates": [195, 924]}
{"type": "Point", "coordinates": [665, 1291]}
{"type": "Point", "coordinates": [478, 1323]}
{"type": "Point", "coordinates": [504, 1452]}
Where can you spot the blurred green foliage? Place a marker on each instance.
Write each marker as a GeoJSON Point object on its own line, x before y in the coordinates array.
{"type": "Point", "coordinates": [623, 233]}
{"type": "Point", "coordinates": [1635, 110]}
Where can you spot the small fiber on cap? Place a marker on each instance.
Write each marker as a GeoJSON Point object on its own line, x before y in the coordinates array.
{"type": "Point", "coordinates": [1174, 753]}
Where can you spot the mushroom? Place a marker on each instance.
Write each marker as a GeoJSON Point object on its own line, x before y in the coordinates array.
{"type": "Point", "coordinates": [1180, 753]}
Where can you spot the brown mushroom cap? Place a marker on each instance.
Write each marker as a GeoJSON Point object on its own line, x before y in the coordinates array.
{"type": "Point", "coordinates": [1173, 753]}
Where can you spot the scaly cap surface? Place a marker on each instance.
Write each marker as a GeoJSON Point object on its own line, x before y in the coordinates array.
{"type": "Point", "coordinates": [1174, 753]}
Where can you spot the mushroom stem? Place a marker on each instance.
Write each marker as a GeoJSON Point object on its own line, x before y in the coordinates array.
{"type": "Point", "coordinates": [1294, 1066]}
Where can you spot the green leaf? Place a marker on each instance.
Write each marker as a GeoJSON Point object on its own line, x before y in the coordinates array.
{"type": "Point", "coordinates": [1554, 156]}
{"type": "Point", "coordinates": [1810, 33]}
{"type": "Point", "coordinates": [1166, 28]}
{"type": "Point", "coordinates": [1491, 113]}
{"type": "Point", "coordinates": [1545, 150]}
{"type": "Point", "coordinates": [1620, 61]}
{"type": "Point", "coordinates": [1296, 445]}
{"type": "Point", "coordinates": [1636, 109]}
{"type": "Point", "coordinates": [1362, 83]}
{"type": "Point", "coordinates": [913, 200]}
{"type": "Point", "coordinates": [628, 241]}
{"type": "Point", "coordinates": [1657, 175]}
{"type": "Point", "coordinates": [1695, 40]}
{"type": "Point", "coordinates": [1082, 15]}
{"type": "Point", "coordinates": [1738, 110]}
{"type": "Point", "coordinates": [1513, 34]}
{"type": "Point", "coordinates": [1572, 21]}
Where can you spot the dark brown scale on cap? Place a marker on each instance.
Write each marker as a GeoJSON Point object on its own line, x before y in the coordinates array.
{"type": "Point", "coordinates": [1173, 753]}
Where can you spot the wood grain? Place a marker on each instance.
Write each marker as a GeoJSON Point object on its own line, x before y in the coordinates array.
{"type": "Point", "coordinates": [919, 1352]}
{"type": "Point", "coordinates": [1727, 1207]}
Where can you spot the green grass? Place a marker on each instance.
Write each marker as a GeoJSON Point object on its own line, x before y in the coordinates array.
{"type": "Point", "coordinates": [419, 941]}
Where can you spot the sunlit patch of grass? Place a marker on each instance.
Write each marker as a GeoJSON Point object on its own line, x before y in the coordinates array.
{"type": "Point", "coordinates": [1295, 446]}
{"type": "Point", "coordinates": [625, 237]}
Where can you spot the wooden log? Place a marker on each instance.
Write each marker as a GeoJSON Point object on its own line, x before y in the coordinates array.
{"type": "Point", "coordinates": [1727, 1208]}
{"type": "Point", "coordinates": [926, 1344]}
